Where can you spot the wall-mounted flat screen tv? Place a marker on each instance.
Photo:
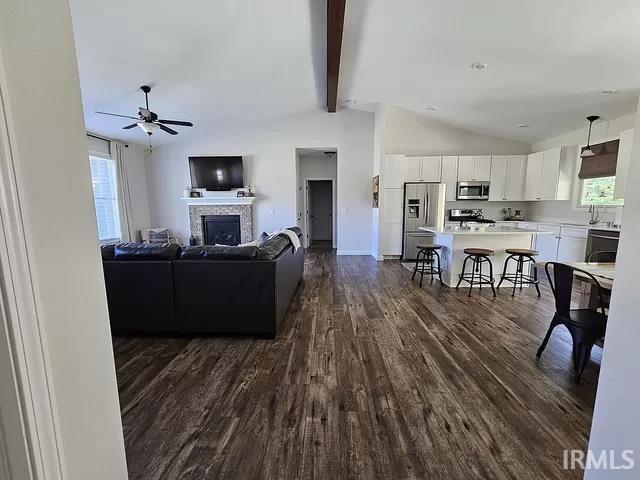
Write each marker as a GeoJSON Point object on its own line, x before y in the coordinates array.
{"type": "Point", "coordinates": [216, 173]}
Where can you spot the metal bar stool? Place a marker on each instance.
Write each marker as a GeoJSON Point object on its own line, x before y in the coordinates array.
{"type": "Point", "coordinates": [521, 256]}
{"type": "Point", "coordinates": [478, 256]}
{"type": "Point", "coordinates": [425, 262]}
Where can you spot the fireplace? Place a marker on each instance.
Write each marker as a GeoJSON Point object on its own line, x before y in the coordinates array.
{"type": "Point", "coordinates": [221, 229]}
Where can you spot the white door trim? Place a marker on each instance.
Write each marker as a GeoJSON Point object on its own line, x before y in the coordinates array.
{"type": "Point", "coordinates": [334, 227]}
{"type": "Point", "coordinates": [40, 446]}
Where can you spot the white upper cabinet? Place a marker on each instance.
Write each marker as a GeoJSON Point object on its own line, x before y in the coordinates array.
{"type": "Point", "coordinates": [466, 169]}
{"type": "Point", "coordinates": [475, 168]}
{"type": "Point", "coordinates": [516, 169]}
{"type": "Point", "coordinates": [399, 169]}
{"type": "Point", "coordinates": [450, 176]}
{"type": "Point", "coordinates": [548, 175]}
{"type": "Point", "coordinates": [483, 168]}
{"type": "Point", "coordinates": [533, 177]}
{"type": "Point", "coordinates": [394, 171]}
{"type": "Point", "coordinates": [412, 166]}
{"type": "Point", "coordinates": [499, 172]}
{"type": "Point", "coordinates": [431, 169]}
{"type": "Point", "coordinates": [507, 177]}
{"type": "Point", "coordinates": [622, 165]}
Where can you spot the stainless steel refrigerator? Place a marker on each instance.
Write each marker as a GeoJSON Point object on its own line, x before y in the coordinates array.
{"type": "Point", "coordinates": [424, 205]}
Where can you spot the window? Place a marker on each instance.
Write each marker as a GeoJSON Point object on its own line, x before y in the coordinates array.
{"type": "Point", "coordinates": [599, 191]}
{"type": "Point", "coordinates": [105, 197]}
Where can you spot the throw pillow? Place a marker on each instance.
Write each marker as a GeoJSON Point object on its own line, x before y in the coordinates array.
{"type": "Point", "coordinates": [159, 235]}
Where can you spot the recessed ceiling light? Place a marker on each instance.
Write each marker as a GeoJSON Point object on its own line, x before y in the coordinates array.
{"type": "Point", "coordinates": [523, 125]}
{"type": "Point", "coordinates": [433, 108]}
{"type": "Point", "coordinates": [479, 66]}
{"type": "Point", "coordinates": [610, 91]}
{"type": "Point", "coordinates": [349, 101]}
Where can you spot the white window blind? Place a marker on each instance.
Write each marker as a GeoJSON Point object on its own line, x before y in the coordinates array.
{"type": "Point", "coordinates": [105, 197]}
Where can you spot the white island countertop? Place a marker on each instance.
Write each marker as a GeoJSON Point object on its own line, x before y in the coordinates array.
{"type": "Point", "coordinates": [484, 230]}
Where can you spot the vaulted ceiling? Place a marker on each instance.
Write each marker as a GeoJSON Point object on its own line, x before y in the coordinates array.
{"type": "Point", "coordinates": [227, 63]}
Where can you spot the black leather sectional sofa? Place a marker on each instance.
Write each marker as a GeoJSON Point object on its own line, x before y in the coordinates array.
{"type": "Point", "coordinates": [165, 289]}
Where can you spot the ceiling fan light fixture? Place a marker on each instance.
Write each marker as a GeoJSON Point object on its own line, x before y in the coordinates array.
{"type": "Point", "coordinates": [148, 127]}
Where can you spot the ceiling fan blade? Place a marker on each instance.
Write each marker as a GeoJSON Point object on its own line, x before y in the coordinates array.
{"type": "Point", "coordinates": [130, 126]}
{"type": "Point", "coordinates": [177, 122]}
{"type": "Point", "coordinates": [118, 115]}
{"type": "Point", "coordinates": [167, 129]}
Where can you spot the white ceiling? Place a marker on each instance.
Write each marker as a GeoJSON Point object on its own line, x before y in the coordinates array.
{"type": "Point", "coordinates": [227, 63]}
{"type": "Point", "coordinates": [217, 63]}
{"type": "Point", "coordinates": [549, 59]}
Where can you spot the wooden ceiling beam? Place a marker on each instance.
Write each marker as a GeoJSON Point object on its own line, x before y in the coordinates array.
{"type": "Point", "coordinates": [335, 25]}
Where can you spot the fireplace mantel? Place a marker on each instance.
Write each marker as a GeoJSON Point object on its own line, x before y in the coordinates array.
{"type": "Point", "coordinates": [219, 200]}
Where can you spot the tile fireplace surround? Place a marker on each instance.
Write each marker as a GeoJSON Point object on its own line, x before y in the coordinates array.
{"type": "Point", "coordinates": [196, 212]}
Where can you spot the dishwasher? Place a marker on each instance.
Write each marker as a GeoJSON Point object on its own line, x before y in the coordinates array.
{"type": "Point", "coordinates": [603, 241]}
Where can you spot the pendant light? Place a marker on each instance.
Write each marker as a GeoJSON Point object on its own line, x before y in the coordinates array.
{"type": "Point", "coordinates": [587, 152]}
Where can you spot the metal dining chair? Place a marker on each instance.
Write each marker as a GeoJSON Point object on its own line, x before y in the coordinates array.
{"type": "Point", "coordinates": [602, 257]}
{"type": "Point", "coordinates": [586, 326]}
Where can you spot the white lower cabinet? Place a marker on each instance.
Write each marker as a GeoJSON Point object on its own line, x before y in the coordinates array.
{"type": "Point", "coordinates": [572, 246]}
{"type": "Point", "coordinates": [547, 244]}
{"type": "Point", "coordinates": [391, 239]}
{"type": "Point", "coordinates": [565, 244]}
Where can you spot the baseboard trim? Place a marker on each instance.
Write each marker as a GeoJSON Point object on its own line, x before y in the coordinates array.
{"type": "Point", "coordinates": [353, 252]}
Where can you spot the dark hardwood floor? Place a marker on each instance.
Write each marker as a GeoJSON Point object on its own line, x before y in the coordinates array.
{"type": "Point", "coordinates": [370, 377]}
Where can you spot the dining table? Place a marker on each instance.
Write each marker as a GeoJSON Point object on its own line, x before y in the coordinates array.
{"type": "Point", "coordinates": [604, 273]}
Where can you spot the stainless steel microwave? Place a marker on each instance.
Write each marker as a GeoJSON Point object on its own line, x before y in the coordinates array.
{"type": "Point", "coordinates": [473, 191]}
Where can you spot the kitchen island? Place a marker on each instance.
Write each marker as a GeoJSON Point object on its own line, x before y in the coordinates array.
{"type": "Point", "coordinates": [455, 239]}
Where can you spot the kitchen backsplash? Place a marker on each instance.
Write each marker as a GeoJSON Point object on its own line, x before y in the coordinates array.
{"type": "Point", "coordinates": [564, 211]}
{"type": "Point", "coordinates": [550, 211]}
{"type": "Point", "coordinates": [490, 210]}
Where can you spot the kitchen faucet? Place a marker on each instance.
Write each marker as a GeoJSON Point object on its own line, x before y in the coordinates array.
{"type": "Point", "coordinates": [595, 218]}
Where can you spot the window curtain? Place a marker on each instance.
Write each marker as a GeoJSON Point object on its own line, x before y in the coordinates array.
{"type": "Point", "coordinates": [127, 231]}
{"type": "Point", "coordinates": [602, 163]}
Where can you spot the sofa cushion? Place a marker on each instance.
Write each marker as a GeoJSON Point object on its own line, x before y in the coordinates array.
{"type": "Point", "coordinates": [107, 251]}
{"type": "Point", "coordinates": [296, 230]}
{"type": "Point", "coordinates": [273, 247]}
{"type": "Point", "coordinates": [146, 251]}
{"type": "Point", "coordinates": [219, 252]}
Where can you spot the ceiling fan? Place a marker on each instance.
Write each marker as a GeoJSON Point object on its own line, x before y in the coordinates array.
{"type": "Point", "coordinates": [148, 120]}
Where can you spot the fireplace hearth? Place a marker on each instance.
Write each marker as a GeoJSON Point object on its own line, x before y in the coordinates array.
{"type": "Point", "coordinates": [221, 229]}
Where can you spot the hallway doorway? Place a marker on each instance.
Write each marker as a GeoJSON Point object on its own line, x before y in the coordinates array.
{"type": "Point", "coordinates": [320, 213]}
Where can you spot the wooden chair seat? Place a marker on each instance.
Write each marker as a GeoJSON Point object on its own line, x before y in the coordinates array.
{"type": "Point", "coordinates": [521, 251]}
{"type": "Point", "coordinates": [428, 247]}
{"type": "Point", "coordinates": [478, 251]}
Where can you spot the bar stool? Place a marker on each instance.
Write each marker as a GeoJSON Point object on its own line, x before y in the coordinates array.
{"type": "Point", "coordinates": [424, 265]}
{"type": "Point", "coordinates": [521, 256]}
{"type": "Point", "coordinates": [478, 256]}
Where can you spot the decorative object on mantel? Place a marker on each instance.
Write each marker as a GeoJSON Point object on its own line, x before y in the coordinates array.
{"type": "Point", "coordinates": [195, 194]}
{"type": "Point", "coordinates": [248, 191]}
{"type": "Point", "coordinates": [240, 193]}
{"type": "Point", "coordinates": [376, 190]}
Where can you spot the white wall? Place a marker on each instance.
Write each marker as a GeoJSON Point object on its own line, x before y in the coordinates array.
{"type": "Point", "coordinates": [39, 65]}
{"type": "Point", "coordinates": [269, 151]}
{"type": "Point", "coordinates": [565, 210]}
{"type": "Point", "coordinates": [412, 134]}
{"type": "Point", "coordinates": [616, 419]}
